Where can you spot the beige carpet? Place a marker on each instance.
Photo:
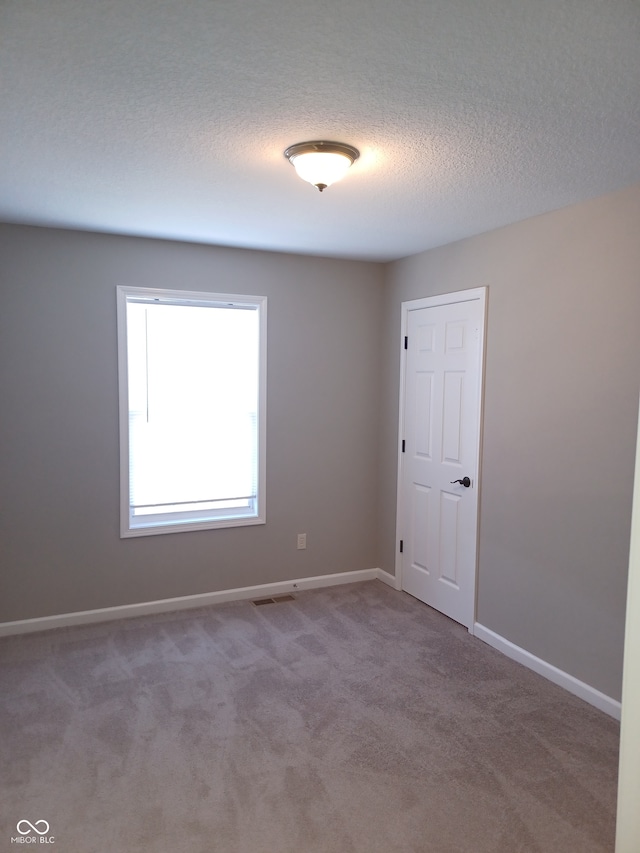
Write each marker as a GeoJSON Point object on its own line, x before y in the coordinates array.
{"type": "Point", "coordinates": [351, 719]}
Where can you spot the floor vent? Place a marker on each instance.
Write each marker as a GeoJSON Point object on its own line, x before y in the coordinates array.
{"type": "Point", "coordinates": [275, 600]}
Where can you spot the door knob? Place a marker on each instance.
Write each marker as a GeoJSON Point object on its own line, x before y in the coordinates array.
{"type": "Point", "coordinates": [466, 482]}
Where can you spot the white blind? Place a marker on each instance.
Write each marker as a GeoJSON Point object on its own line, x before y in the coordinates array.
{"type": "Point", "coordinates": [193, 382]}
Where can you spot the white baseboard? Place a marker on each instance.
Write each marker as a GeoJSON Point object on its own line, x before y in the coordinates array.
{"type": "Point", "coordinates": [390, 580]}
{"type": "Point", "coordinates": [562, 679]}
{"type": "Point", "coordinates": [185, 602]}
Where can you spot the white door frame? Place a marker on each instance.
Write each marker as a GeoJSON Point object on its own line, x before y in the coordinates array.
{"type": "Point", "coordinates": [479, 293]}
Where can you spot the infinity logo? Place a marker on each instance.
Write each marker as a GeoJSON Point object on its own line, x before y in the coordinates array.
{"type": "Point", "coordinates": [33, 827]}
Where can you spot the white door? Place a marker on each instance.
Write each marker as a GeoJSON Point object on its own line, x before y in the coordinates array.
{"type": "Point", "coordinates": [440, 444]}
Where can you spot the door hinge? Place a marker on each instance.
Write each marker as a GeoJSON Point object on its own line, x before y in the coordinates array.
{"type": "Point", "coordinates": [406, 342]}
{"type": "Point", "coordinates": [401, 546]}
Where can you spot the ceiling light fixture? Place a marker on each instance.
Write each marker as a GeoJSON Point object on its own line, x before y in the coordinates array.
{"type": "Point", "coordinates": [321, 163]}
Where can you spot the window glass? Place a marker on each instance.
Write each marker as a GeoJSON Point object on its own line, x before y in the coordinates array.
{"type": "Point", "coordinates": [192, 430]}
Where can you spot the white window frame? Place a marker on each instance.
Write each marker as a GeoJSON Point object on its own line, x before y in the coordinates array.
{"type": "Point", "coordinates": [218, 519]}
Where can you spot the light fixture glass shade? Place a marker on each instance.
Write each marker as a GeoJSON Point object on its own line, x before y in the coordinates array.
{"type": "Point", "coordinates": [320, 168]}
{"type": "Point", "coordinates": [321, 163]}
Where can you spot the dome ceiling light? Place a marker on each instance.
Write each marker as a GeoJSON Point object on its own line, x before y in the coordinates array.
{"type": "Point", "coordinates": [321, 163]}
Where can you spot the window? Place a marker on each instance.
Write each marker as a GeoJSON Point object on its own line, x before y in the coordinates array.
{"type": "Point", "coordinates": [192, 411]}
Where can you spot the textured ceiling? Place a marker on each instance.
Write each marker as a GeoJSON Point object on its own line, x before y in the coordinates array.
{"type": "Point", "coordinates": [168, 118]}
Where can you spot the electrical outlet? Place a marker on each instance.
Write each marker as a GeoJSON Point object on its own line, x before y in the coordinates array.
{"type": "Point", "coordinates": [302, 541]}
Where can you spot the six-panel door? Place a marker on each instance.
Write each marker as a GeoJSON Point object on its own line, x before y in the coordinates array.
{"type": "Point", "coordinates": [441, 433]}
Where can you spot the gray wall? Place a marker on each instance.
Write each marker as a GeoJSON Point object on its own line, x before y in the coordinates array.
{"type": "Point", "coordinates": [59, 536]}
{"type": "Point", "coordinates": [561, 403]}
